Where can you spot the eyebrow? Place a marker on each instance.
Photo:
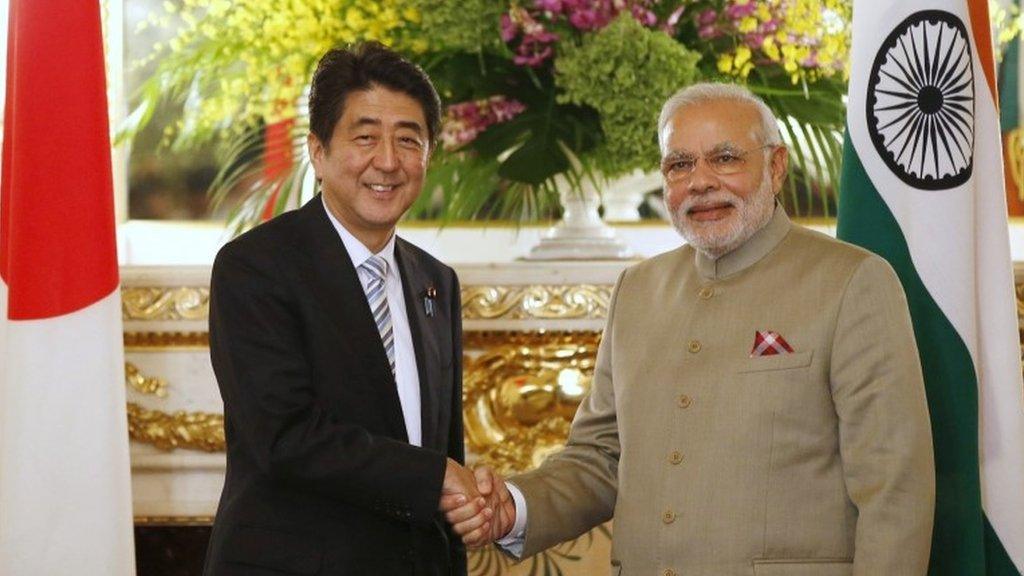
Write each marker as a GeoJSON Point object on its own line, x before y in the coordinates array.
{"type": "Point", "coordinates": [409, 124]}
{"type": "Point", "coordinates": [726, 146]}
{"type": "Point", "coordinates": [677, 155]}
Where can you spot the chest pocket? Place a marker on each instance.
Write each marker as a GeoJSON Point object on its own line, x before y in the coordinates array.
{"type": "Point", "coordinates": [774, 362]}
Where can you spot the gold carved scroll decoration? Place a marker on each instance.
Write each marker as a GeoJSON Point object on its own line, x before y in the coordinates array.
{"type": "Point", "coordinates": [167, 431]}
{"type": "Point", "coordinates": [542, 302]}
{"type": "Point", "coordinates": [165, 303]}
{"type": "Point", "coordinates": [142, 383]}
{"type": "Point", "coordinates": [519, 397]}
{"type": "Point", "coordinates": [514, 302]}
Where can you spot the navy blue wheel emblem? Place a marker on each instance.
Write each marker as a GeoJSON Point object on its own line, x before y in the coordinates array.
{"type": "Point", "coordinates": [920, 104]}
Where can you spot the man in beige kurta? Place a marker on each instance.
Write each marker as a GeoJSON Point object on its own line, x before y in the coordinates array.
{"type": "Point", "coordinates": [757, 407]}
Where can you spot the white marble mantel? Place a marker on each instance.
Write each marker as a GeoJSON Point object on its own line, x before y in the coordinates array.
{"type": "Point", "coordinates": [184, 484]}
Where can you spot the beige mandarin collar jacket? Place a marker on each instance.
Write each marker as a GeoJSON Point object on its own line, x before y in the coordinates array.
{"type": "Point", "coordinates": [718, 461]}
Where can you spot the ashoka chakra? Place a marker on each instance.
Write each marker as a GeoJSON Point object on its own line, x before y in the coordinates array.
{"type": "Point", "coordinates": [920, 105]}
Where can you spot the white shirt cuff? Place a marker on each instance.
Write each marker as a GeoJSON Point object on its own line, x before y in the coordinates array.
{"type": "Point", "coordinates": [513, 541]}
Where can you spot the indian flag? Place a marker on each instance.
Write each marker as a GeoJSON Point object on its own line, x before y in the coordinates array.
{"type": "Point", "coordinates": [65, 484]}
{"type": "Point", "coordinates": [923, 187]}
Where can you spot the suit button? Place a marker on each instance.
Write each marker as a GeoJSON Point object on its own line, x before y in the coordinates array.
{"type": "Point", "coordinates": [694, 346]}
{"type": "Point", "coordinates": [668, 517]}
{"type": "Point", "coordinates": [676, 457]}
{"type": "Point", "coordinates": [668, 572]}
{"type": "Point", "coordinates": [706, 292]}
{"type": "Point", "coordinates": [685, 401]}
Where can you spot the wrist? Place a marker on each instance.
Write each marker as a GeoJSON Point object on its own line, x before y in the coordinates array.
{"type": "Point", "coordinates": [508, 514]}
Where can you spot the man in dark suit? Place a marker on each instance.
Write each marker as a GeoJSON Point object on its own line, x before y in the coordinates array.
{"type": "Point", "coordinates": [337, 350]}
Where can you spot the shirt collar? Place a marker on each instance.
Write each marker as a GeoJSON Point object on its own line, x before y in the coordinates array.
{"type": "Point", "coordinates": [358, 251]}
{"type": "Point", "coordinates": [750, 252]}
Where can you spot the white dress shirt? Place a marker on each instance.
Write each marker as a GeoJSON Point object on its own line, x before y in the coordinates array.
{"type": "Point", "coordinates": [515, 539]}
{"type": "Point", "coordinates": [407, 375]}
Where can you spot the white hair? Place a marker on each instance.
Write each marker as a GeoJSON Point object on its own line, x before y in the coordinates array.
{"type": "Point", "coordinates": [709, 91]}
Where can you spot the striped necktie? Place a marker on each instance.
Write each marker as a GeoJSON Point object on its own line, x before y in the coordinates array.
{"type": "Point", "coordinates": [377, 295]}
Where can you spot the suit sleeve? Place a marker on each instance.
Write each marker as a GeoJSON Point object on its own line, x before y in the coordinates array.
{"type": "Point", "coordinates": [456, 437]}
{"type": "Point", "coordinates": [884, 428]}
{"type": "Point", "coordinates": [274, 416]}
{"type": "Point", "coordinates": [575, 489]}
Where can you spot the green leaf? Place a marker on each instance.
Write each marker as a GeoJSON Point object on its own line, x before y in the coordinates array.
{"type": "Point", "coordinates": [534, 162]}
{"type": "Point", "coordinates": [501, 138]}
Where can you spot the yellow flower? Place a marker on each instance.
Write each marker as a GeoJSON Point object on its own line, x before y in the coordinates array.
{"type": "Point", "coordinates": [742, 56]}
{"type": "Point", "coordinates": [770, 48]}
{"type": "Point", "coordinates": [219, 8]}
{"type": "Point", "coordinates": [355, 18]}
{"type": "Point", "coordinates": [747, 25]}
{"type": "Point", "coordinates": [807, 30]}
{"type": "Point", "coordinates": [725, 63]}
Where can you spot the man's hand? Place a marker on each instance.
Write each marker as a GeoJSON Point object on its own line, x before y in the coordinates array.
{"type": "Point", "coordinates": [459, 492]}
{"type": "Point", "coordinates": [464, 520]}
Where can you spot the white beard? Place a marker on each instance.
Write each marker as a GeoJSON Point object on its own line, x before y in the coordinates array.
{"type": "Point", "coordinates": [717, 238]}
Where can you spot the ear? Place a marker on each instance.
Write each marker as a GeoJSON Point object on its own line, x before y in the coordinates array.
{"type": "Point", "coordinates": [317, 153]}
{"type": "Point", "coordinates": [780, 166]}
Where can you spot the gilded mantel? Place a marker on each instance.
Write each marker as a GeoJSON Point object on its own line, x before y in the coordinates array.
{"type": "Point", "coordinates": [531, 337]}
{"type": "Point", "coordinates": [531, 333]}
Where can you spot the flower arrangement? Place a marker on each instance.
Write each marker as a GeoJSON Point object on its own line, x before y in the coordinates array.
{"type": "Point", "coordinates": [538, 93]}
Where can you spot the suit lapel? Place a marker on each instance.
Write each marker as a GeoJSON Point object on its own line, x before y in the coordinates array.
{"type": "Point", "coordinates": [424, 337]}
{"type": "Point", "coordinates": [331, 274]}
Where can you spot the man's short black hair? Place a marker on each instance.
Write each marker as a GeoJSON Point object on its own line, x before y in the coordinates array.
{"type": "Point", "coordinates": [363, 67]}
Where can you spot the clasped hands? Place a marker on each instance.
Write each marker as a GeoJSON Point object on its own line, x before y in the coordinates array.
{"type": "Point", "coordinates": [477, 504]}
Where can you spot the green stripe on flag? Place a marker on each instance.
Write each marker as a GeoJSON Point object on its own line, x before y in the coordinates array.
{"type": "Point", "coordinates": [962, 538]}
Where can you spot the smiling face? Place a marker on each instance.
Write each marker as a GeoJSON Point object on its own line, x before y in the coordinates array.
{"type": "Point", "coordinates": [372, 169]}
{"type": "Point", "coordinates": [717, 212]}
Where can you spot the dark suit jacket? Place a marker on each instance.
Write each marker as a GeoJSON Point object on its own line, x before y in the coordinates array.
{"type": "Point", "coordinates": [321, 478]}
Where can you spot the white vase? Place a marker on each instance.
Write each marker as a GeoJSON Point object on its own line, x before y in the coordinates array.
{"type": "Point", "coordinates": [623, 196]}
{"type": "Point", "coordinates": [580, 234]}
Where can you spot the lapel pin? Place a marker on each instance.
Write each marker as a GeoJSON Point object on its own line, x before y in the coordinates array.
{"type": "Point", "coordinates": [428, 300]}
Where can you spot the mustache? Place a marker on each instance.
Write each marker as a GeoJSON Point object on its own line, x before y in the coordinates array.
{"type": "Point", "coordinates": [710, 199]}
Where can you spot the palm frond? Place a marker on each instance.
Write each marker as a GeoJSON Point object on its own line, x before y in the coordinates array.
{"type": "Point", "coordinates": [811, 119]}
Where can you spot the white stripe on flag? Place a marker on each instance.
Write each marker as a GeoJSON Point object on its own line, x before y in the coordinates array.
{"type": "Point", "coordinates": [65, 487]}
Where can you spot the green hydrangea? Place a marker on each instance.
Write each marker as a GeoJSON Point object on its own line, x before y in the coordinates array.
{"type": "Point", "coordinates": [625, 72]}
{"type": "Point", "coordinates": [468, 25]}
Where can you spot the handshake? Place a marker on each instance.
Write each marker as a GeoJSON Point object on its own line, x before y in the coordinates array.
{"type": "Point", "coordinates": [477, 504]}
